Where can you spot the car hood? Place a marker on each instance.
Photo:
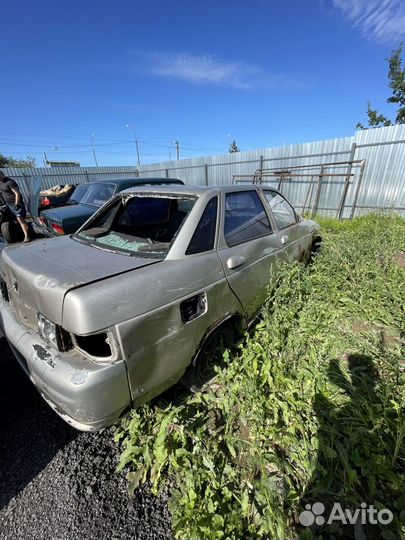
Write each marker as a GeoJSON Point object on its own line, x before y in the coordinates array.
{"type": "Point", "coordinates": [39, 274]}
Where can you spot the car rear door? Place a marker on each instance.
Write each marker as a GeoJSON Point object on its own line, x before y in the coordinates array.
{"type": "Point", "coordinates": [249, 246]}
{"type": "Point", "coordinates": [295, 238]}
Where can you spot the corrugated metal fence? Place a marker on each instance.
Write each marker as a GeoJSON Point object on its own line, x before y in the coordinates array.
{"type": "Point", "coordinates": [66, 175]}
{"type": "Point", "coordinates": [382, 186]}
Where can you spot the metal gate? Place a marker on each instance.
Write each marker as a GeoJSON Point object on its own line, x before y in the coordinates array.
{"type": "Point", "coordinates": [316, 183]}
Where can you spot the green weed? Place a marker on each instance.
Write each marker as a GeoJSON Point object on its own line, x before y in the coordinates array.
{"type": "Point", "coordinates": [310, 408]}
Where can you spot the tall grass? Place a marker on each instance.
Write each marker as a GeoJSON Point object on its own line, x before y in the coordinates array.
{"type": "Point", "coordinates": [310, 407]}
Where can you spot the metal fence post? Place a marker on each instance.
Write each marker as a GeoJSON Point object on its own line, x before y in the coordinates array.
{"type": "Point", "coordinates": [341, 206]}
{"type": "Point", "coordinates": [27, 187]}
{"type": "Point", "coordinates": [206, 173]}
{"type": "Point", "coordinates": [167, 173]}
{"type": "Point", "coordinates": [356, 195]}
{"type": "Point", "coordinates": [86, 174]}
{"type": "Point", "coordinates": [308, 195]}
{"type": "Point", "coordinates": [318, 194]}
{"type": "Point", "coordinates": [261, 168]}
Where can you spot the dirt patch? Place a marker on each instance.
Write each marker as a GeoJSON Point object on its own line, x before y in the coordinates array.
{"type": "Point", "coordinates": [399, 258]}
{"type": "Point", "coordinates": [386, 337]}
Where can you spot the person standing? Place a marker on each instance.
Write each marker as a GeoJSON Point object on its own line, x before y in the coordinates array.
{"type": "Point", "coordinates": [11, 195]}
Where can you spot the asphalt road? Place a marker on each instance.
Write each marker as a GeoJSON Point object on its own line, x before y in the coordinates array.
{"type": "Point", "coordinates": [59, 484]}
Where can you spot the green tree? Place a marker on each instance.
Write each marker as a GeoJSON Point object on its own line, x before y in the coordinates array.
{"type": "Point", "coordinates": [396, 77]}
{"type": "Point", "coordinates": [233, 147]}
{"type": "Point", "coordinates": [8, 161]}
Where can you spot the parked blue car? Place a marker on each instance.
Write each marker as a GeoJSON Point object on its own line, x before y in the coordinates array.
{"type": "Point", "coordinates": [84, 202]}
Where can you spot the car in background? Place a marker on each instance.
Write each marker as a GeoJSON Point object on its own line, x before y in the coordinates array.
{"type": "Point", "coordinates": [148, 291]}
{"type": "Point", "coordinates": [55, 196]}
{"type": "Point", "coordinates": [81, 206]}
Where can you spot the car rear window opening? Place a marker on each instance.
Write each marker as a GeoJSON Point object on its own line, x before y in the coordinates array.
{"type": "Point", "coordinates": [143, 225]}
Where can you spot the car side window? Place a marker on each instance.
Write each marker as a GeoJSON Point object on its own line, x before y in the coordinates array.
{"type": "Point", "coordinates": [245, 218]}
{"type": "Point", "coordinates": [283, 212]}
{"type": "Point", "coordinates": [98, 194]}
{"type": "Point", "coordinates": [204, 235]}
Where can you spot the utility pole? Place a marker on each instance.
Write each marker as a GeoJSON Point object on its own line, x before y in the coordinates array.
{"type": "Point", "coordinates": [136, 144]}
{"type": "Point", "coordinates": [177, 150]}
{"type": "Point", "coordinates": [94, 152]}
{"type": "Point", "coordinates": [137, 151]}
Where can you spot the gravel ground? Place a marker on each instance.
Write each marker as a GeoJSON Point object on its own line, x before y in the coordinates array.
{"type": "Point", "coordinates": [59, 484]}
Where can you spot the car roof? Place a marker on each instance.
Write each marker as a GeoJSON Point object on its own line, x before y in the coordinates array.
{"type": "Point", "coordinates": [138, 180]}
{"type": "Point", "coordinates": [177, 189]}
{"type": "Point", "coordinates": [193, 190]}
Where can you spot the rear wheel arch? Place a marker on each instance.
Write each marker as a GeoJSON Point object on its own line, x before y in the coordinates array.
{"type": "Point", "coordinates": [221, 335]}
{"type": "Point", "coordinates": [314, 249]}
{"type": "Point", "coordinates": [235, 322]}
{"type": "Point", "coordinates": [316, 243]}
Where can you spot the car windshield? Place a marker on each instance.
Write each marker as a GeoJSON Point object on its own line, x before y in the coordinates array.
{"type": "Point", "coordinates": [140, 225]}
{"type": "Point", "coordinates": [98, 194]}
{"type": "Point", "coordinates": [78, 194]}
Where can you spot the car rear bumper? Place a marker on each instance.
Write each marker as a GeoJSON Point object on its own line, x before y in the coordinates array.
{"type": "Point", "coordinates": [42, 230]}
{"type": "Point", "coordinates": [86, 394]}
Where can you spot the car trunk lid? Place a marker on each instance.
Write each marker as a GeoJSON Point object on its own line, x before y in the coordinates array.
{"type": "Point", "coordinates": [70, 218]}
{"type": "Point", "coordinates": [39, 274]}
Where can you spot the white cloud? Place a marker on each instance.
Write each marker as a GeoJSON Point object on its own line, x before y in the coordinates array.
{"type": "Point", "coordinates": [212, 70]}
{"type": "Point", "coordinates": [380, 20]}
{"type": "Point", "coordinates": [204, 69]}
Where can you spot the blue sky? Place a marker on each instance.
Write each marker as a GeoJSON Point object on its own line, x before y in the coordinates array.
{"type": "Point", "coordinates": [263, 72]}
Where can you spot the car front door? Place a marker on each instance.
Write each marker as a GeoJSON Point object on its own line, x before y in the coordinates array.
{"type": "Point", "coordinates": [250, 247]}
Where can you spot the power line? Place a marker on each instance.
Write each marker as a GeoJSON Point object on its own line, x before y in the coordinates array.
{"type": "Point", "coordinates": [45, 133]}
{"type": "Point", "coordinates": [161, 157]}
{"type": "Point", "coordinates": [111, 141]}
{"type": "Point", "coordinates": [44, 145]}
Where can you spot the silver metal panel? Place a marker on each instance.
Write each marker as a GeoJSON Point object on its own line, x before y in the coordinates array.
{"type": "Point", "coordinates": [383, 184]}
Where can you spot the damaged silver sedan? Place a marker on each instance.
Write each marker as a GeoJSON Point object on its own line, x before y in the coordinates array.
{"type": "Point", "coordinates": [113, 315]}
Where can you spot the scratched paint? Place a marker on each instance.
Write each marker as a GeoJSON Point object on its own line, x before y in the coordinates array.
{"type": "Point", "coordinates": [44, 355]}
{"type": "Point", "coordinates": [79, 377]}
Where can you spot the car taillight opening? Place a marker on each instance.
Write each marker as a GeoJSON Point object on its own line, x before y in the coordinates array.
{"type": "Point", "coordinates": [45, 202]}
{"type": "Point", "coordinates": [96, 345]}
{"type": "Point", "coordinates": [57, 228]}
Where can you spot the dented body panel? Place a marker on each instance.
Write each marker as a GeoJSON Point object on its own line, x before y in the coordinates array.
{"type": "Point", "coordinates": [56, 266]}
{"type": "Point", "coordinates": [123, 325]}
{"type": "Point", "coordinates": [87, 394]}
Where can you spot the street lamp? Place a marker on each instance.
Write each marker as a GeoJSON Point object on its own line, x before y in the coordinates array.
{"type": "Point", "coordinates": [94, 152]}
{"type": "Point", "coordinates": [129, 126]}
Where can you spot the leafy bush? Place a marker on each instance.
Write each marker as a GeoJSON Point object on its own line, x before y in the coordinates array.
{"type": "Point", "coordinates": [310, 407]}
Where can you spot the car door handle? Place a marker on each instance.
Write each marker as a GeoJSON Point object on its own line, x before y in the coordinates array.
{"type": "Point", "coordinates": [284, 239]}
{"type": "Point", "coordinates": [235, 261]}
